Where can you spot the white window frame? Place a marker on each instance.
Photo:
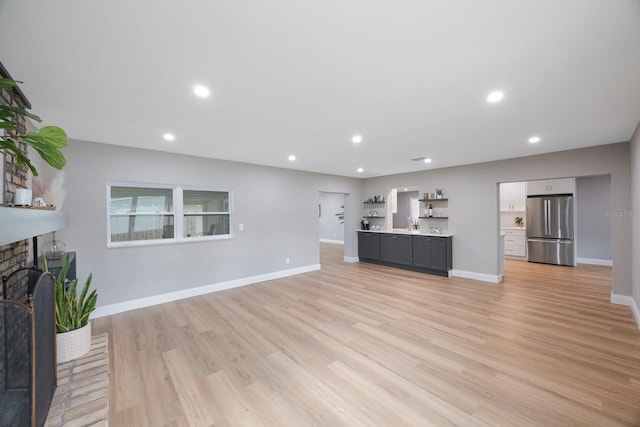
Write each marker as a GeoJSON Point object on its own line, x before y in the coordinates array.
{"type": "Point", "coordinates": [205, 237]}
{"type": "Point", "coordinates": [178, 215]}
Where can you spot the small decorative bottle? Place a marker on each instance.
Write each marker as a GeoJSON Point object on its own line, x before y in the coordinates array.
{"type": "Point", "coordinates": [430, 211]}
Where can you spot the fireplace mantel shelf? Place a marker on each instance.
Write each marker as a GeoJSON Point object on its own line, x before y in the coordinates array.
{"type": "Point", "coordinates": [18, 224]}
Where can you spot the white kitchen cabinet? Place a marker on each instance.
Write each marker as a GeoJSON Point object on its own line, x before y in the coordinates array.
{"type": "Point", "coordinates": [551, 186]}
{"type": "Point", "coordinates": [513, 196]}
{"type": "Point", "coordinates": [515, 242]}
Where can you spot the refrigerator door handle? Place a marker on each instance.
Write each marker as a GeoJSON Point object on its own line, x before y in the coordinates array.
{"type": "Point", "coordinates": [546, 221]}
{"type": "Point", "coordinates": [563, 241]}
{"type": "Point", "coordinates": [549, 217]}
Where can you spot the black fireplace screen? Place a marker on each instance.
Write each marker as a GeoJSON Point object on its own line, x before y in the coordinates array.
{"type": "Point", "coordinates": [27, 348]}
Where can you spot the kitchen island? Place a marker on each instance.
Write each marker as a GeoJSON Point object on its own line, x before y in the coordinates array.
{"type": "Point", "coordinates": [412, 250]}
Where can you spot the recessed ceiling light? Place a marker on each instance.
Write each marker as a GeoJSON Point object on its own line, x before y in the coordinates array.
{"type": "Point", "coordinates": [169, 137]}
{"type": "Point", "coordinates": [534, 139]}
{"type": "Point", "coordinates": [201, 91]}
{"type": "Point", "coordinates": [495, 96]}
{"type": "Point", "coordinates": [356, 139]}
{"type": "Point", "coordinates": [292, 158]}
{"type": "Point", "coordinates": [360, 170]}
{"type": "Point", "coordinates": [427, 160]}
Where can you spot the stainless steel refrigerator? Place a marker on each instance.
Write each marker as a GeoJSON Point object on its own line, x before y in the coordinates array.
{"type": "Point", "coordinates": [550, 233]}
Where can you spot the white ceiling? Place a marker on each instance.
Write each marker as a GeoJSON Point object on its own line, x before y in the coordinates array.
{"type": "Point", "coordinates": [301, 77]}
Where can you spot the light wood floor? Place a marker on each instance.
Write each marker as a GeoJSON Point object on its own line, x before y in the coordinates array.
{"type": "Point", "coordinates": [364, 345]}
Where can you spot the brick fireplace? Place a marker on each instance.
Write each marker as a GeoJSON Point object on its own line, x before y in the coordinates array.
{"type": "Point", "coordinates": [14, 255]}
{"type": "Point", "coordinates": [20, 360]}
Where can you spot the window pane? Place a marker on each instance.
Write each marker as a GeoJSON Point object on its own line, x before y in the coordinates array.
{"type": "Point", "coordinates": [206, 225]}
{"type": "Point", "coordinates": [205, 201]}
{"type": "Point", "coordinates": [140, 199]}
{"type": "Point", "coordinates": [141, 227]}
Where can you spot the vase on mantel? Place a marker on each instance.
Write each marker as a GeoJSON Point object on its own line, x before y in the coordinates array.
{"type": "Point", "coordinates": [54, 249]}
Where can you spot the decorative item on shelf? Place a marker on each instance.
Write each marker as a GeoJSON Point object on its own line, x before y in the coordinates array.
{"type": "Point", "coordinates": [430, 211]}
{"type": "Point", "coordinates": [73, 327]}
{"type": "Point", "coordinates": [54, 249]}
{"type": "Point", "coordinates": [373, 213]}
{"type": "Point", "coordinates": [23, 197]}
{"type": "Point", "coordinates": [39, 202]}
{"type": "Point", "coordinates": [518, 221]}
{"type": "Point", "coordinates": [53, 191]}
{"type": "Point", "coordinates": [43, 207]}
{"type": "Point", "coordinates": [439, 193]}
{"type": "Point", "coordinates": [374, 199]}
{"type": "Point", "coordinates": [431, 196]}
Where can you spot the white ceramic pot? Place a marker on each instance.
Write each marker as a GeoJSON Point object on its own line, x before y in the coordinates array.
{"type": "Point", "coordinates": [73, 344]}
{"type": "Point", "coordinates": [23, 197]}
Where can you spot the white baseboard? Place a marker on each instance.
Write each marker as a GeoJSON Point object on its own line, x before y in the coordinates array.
{"type": "Point", "coordinates": [337, 242]}
{"type": "Point", "coordinates": [594, 261]}
{"type": "Point", "coordinates": [120, 307]}
{"type": "Point", "coordinates": [351, 259]}
{"type": "Point", "coordinates": [492, 278]}
{"type": "Point", "coordinates": [629, 302]}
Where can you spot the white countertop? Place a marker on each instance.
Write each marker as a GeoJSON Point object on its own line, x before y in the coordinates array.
{"type": "Point", "coordinates": [403, 231]}
{"type": "Point", "coordinates": [513, 228]}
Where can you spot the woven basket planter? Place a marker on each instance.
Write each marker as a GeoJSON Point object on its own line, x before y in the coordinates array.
{"type": "Point", "coordinates": [73, 344]}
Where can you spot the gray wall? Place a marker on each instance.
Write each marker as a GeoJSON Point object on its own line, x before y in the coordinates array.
{"type": "Point", "coordinates": [329, 223]}
{"type": "Point", "coordinates": [278, 207]}
{"type": "Point", "coordinates": [474, 205]}
{"type": "Point", "coordinates": [593, 207]}
{"type": "Point", "coordinates": [635, 206]}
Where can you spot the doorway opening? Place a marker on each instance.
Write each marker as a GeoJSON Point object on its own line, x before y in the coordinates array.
{"type": "Point", "coordinates": [331, 219]}
{"type": "Point", "coordinates": [592, 229]}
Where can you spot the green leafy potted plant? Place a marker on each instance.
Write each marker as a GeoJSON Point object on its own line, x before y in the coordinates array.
{"type": "Point", "coordinates": [518, 221]}
{"type": "Point", "coordinates": [47, 141]}
{"type": "Point", "coordinates": [340, 215]}
{"type": "Point", "coordinates": [72, 315]}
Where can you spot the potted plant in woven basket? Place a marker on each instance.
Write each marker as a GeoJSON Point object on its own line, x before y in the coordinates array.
{"type": "Point", "coordinates": [73, 327]}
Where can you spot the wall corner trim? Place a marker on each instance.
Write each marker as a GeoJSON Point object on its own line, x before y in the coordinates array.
{"type": "Point", "coordinates": [121, 307]}
{"type": "Point", "coordinates": [491, 278]}
{"type": "Point", "coordinates": [337, 242]}
{"type": "Point", "coordinates": [594, 261]}
{"type": "Point", "coordinates": [629, 302]}
{"type": "Point", "coordinates": [351, 259]}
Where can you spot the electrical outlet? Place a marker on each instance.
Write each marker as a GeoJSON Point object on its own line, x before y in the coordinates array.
{"type": "Point", "coordinates": [287, 260]}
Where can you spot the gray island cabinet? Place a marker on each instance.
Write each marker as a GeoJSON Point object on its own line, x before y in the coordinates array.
{"type": "Point", "coordinates": [425, 253]}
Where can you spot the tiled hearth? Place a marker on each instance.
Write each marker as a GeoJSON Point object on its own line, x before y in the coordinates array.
{"type": "Point", "coordinates": [82, 397]}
